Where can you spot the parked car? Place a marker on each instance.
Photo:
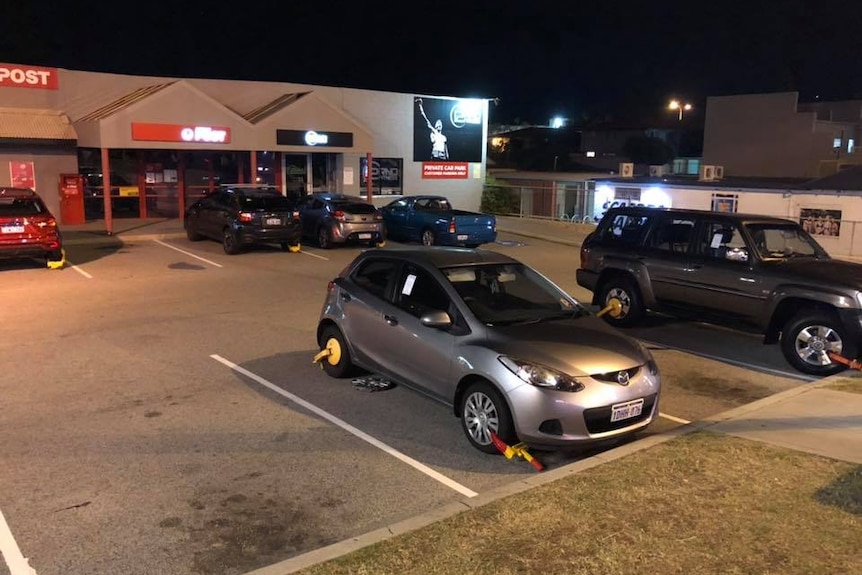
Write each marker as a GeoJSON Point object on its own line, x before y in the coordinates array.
{"type": "Point", "coordinates": [432, 221]}
{"type": "Point", "coordinates": [509, 350]}
{"type": "Point", "coordinates": [332, 219]}
{"type": "Point", "coordinates": [243, 215]}
{"type": "Point", "coordinates": [27, 227]}
{"type": "Point", "coordinates": [762, 271]}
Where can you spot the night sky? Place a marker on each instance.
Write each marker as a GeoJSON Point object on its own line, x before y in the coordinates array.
{"type": "Point", "coordinates": [541, 59]}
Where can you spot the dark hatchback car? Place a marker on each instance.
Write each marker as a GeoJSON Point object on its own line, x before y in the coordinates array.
{"type": "Point", "coordinates": [27, 227]}
{"type": "Point", "coordinates": [244, 215]}
{"type": "Point", "coordinates": [331, 218]}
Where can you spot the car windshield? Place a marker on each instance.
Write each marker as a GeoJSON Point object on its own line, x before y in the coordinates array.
{"type": "Point", "coordinates": [20, 207]}
{"type": "Point", "coordinates": [504, 294]}
{"type": "Point", "coordinates": [268, 202]}
{"type": "Point", "coordinates": [783, 242]}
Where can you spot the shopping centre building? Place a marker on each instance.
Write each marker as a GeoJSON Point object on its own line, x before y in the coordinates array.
{"type": "Point", "coordinates": [158, 143]}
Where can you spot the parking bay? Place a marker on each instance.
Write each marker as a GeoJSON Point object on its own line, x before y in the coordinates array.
{"type": "Point", "coordinates": [130, 446]}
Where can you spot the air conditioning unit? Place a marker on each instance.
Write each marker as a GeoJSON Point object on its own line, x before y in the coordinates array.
{"type": "Point", "coordinates": [627, 170]}
{"type": "Point", "coordinates": [707, 173]}
{"type": "Point", "coordinates": [718, 173]}
{"type": "Point", "coordinates": [657, 171]}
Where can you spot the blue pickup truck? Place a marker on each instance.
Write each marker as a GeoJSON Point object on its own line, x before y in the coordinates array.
{"type": "Point", "coordinates": [431, 220]}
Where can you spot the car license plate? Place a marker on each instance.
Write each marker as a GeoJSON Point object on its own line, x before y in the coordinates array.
{"type": "Point", "coordinates": [273, 221]}
{"type": "Point", "coordinates": [12, 229]}
{"type": "Point", "coordinates": [462, 237]}
{"type": "Point", "coordinates": [364, 236]}
{"type": "Point", "coordinates": [627, 410]}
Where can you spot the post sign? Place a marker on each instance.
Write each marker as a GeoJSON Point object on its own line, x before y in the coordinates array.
{"type": "Point", "coordinates": [314, 138]}
{"type": "Point", "coordinates": [191, 133]}
{"type": "Point", "coordinates": [20, 76]}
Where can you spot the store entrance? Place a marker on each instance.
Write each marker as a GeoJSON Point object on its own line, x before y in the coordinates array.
{"type": "Point", "coordinates": [307, 173]}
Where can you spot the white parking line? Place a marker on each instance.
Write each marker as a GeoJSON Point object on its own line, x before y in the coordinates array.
{"type": "Point", "coordinates": [15, 560]}
{"type": "Point", "coordinates": [672, 418]}
{"type": "Point", "coordinates": [314, 255]}
{"type": "Point", "coordinates": [79, 270]}
{"type": "Point", "coordinates": [350, 429]}
{"type": "Point", "coordinates": [191, 255]}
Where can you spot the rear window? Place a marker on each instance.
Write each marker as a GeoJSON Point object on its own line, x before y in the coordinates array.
{"type": "Point", "coordinates": [624, 229]}
{"type": "Point", "coordinates": [354, 207]}
{"type": "Point", "coordinates": [21, 207]}
{"type": "Point", "coordinates": [265, 202]}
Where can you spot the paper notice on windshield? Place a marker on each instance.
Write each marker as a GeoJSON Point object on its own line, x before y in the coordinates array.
{"type": "Point", "coordinates": [408, 285]}
{"type": "Point", "coordinates": [716, 240]}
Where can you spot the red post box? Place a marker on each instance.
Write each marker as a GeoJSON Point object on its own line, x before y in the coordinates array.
{"type": "Point", "coordinates": [72, 199]}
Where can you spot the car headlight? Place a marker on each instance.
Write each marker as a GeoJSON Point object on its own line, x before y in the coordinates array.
{"type": "Point", "coordinates": [541, 376]}
{"type": "Point", "coordinates": [651, 365]}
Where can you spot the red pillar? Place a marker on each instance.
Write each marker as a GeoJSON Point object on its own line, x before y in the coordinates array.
{"type": "Point", "coordinates": [181, 185]}
{"type": "Point", "coordinates": [252, 167]}
{"type": "Point", "coordinates": [106, 191]}
{"type": "Point", "coordinates": [279, 176]}
{"type": "Point", "coordinates": [369, 184]}
{"type": "Point", "coordinates": [142, 185]}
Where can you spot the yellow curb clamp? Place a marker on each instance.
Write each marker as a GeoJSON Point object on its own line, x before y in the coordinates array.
{"type": "Point", "coordinates": [331, 352]}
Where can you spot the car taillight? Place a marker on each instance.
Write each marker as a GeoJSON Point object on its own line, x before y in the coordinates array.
{"type": "Point", "coordinates": [48, 222]}
{"type": "Point", "coordinates": [451, 226]}
{"type": "Point", "coordinates": [584, 252]}
{"type": "Point", "coordinates": [338, 215]}
{"type": "Point", "coordinates": [245, 217]}
{"type": "Point", "coordinates": [331, 285]}
{"type": "Point", "coordinates": [295, 215]}
{"type": "Point", "coordinates": [378, 216]}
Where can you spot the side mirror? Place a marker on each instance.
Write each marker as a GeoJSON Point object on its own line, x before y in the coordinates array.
{"type": "Point", "coordinates": [438, 319]}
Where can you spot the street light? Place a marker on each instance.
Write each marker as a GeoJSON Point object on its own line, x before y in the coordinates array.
{"type": "Point", "coordinates": [677, 105]}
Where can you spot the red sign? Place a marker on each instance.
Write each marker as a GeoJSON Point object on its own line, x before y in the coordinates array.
{"type": "Point", "coordinates": [23, 175]}
{"type": "Point", "coordinates": [18, 76]}
{"type": "Point", "coordinates": [190, 133]}
{"type": "Point", "coordinates": [445, 170]}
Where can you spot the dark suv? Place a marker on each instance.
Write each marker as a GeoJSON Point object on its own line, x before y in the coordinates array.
{"type": "Point", "coordinates": [764, 271]}
{"type": "Point", "coordinates": [243, 215]}
{"type": "Point", "coordinates": [27, 228]}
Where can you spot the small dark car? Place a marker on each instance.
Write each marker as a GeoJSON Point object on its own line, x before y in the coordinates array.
{"type": "Point", "coordinates": [333, 218]}
{"type": "Point", "coordinates": [27, 227]}
{"type": "Point", "coordinates": [243, 215]}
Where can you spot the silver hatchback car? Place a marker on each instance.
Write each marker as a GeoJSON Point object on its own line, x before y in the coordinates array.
{"type": "Point", "coordinates": [487, 334]}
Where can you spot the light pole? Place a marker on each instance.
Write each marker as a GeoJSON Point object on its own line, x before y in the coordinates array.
{"type": "Point", "coordinates": [677, 105]}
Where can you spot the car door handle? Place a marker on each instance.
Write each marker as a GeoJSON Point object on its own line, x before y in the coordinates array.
{"type": "Point", "coordinates": [391, 319]}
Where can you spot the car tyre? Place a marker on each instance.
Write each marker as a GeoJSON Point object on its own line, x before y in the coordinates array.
{"type": "Point", "coordinates": [338, 363]}
{"type": "Point", "coordinates": [627, 293]}
{"type": "Point", "coordinates": [482, 411]}
{"type": "Point", "coordinates": [229, 242]}
{"type": "Point", "coordinates": [428, 238]}
{"type": "Point", "coordinates": [808, 336]}
{"type": "Point", "coordinates": [191, 234]}
{"type": "Point", "coordinates": [323, 238]}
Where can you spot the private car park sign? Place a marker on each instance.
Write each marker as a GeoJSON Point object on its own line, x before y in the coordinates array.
{"type": "Point", "coordinates": [19, 76]}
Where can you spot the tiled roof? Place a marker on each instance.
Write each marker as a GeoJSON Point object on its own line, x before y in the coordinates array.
{"type": "Point", "coordinates": [123, 102]}
{"type": "Point", "coordinates": [35, 124]}
{"type": "Point", "coordinates": [272, 107]}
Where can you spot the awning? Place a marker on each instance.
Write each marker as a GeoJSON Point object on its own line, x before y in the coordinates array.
{"type": "Point", "coordinates": [35, 124]}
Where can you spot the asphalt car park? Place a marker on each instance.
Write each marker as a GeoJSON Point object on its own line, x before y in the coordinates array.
{"type": "Point", "coordinates": [165, 414]}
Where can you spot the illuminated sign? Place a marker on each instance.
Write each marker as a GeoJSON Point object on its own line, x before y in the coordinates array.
{"type": "Point", "coordinates": [314, 138]}
{"type": "Point", "coordinates": [17, 76]}
{"type": "Point", "coordinates": [180, 133]}
{"type": "Point", "coordinates": [445, 170]}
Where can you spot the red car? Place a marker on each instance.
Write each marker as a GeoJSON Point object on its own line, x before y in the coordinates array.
{"type": "Point", "coordinates": [27, 227]}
